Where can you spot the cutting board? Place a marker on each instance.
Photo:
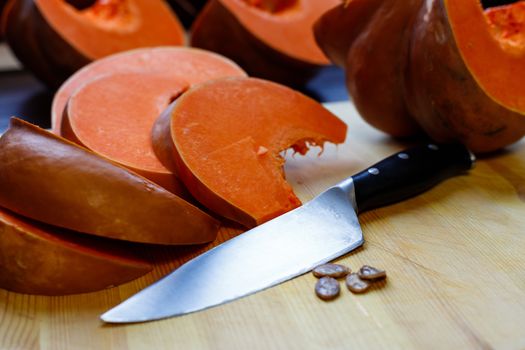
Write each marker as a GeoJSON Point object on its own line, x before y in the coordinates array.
{"type": "Point", "coordinates": [455, 258]}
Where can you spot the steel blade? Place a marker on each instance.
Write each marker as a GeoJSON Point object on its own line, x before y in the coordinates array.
{"type": "Point", "coordinates": [288, 246]}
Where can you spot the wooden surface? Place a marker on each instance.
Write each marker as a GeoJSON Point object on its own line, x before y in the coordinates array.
{"type": "Point", "coordinates": [455, 258]}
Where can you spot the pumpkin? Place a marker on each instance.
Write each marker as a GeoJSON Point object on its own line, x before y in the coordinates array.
{"type": "Point", "coordinates": [450, 68]}
{"type": "Point", "coordinates": [54, 38]}
{"type": "Point", "coordinates": [269, 39]}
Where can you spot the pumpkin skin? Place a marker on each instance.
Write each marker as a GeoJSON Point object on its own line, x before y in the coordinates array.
{"type": "Point", "coordinates": [441, 73]}
{"type": "Point", "coordinates": [376, 85]}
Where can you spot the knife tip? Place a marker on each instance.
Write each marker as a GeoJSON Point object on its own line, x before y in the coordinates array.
{"type": "Point", "coordinates": [108, 318]}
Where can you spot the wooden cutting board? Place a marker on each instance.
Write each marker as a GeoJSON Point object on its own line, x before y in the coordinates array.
{"type": "Point", "coordinates": [455, 258]}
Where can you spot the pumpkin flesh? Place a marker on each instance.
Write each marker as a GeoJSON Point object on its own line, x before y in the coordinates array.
{"type": "Point", "coordinates": [236, 170]}
{"type": "Point", "coordinates": [109, 26]}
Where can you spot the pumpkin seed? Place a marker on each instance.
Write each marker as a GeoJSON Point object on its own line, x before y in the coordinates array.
{"type": "Point", "coordinates": [331, 270]}
{"type": "Point", "coordinates": [327, 288]}
{"type": "Point", "coordinates": [367, 272]}
{"type": "Point", "coordinates": [356, 284]}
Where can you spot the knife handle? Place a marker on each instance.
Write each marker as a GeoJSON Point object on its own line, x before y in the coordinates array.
{"type": "Point", "coordinates": [408, 173]}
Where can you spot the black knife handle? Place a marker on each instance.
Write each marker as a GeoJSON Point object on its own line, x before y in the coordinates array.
{"type": "Point", "coordinates": [408, 173]}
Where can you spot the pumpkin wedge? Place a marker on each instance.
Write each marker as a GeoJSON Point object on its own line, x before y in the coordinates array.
{"type": "Point", "coordinates": [52, 180]}
{"type": "Point", "coordinates": [226, 137]}
{"type": "Point", "coordinates": [54, 38]}
{"type": "Point", "coordinates": [449, 66]}
{"type": "Point", "coordinates": [44, 260]}
{"type": "Point", "coordinates": [188, 64]}
{"type": "Point", "coordinates": [270, 39]}
{"type": "Point", "coordinates": [113, 115]}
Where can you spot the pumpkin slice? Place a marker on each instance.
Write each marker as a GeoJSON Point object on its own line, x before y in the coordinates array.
{"type": "Point", "coordinates": [270, 39]}
{"type": "Point", "coordinates": [190, 65]}
{"type": "Point", "coordinates": [113, 116]}
{"type": "Point", "coordinates": [52, 180]}
{"type": "Point", "coordinates": [40, 259]}
{"type": "Point", "coordinates": [227, 136]}
{"type": "Point", "coordinates": [54, 38]}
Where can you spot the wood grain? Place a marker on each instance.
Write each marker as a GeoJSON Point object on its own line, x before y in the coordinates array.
{"type": "Point", "coordinates": [454, 256]}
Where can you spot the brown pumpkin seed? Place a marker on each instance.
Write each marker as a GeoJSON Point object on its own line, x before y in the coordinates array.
{"type": "Point", "coordinates": [356, 284]}
{"type": "Point", "coordinates": [327, 288]}
{"type": "Point", "coordinates": [331, 270]}
{"type": "Point", "coordinates": [367, 272]}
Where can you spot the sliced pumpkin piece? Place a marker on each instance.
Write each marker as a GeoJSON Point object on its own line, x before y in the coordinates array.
{"type": "Point", "coordinates": [188, 64]}
{"type": "Point", "coordinates": [52, 180]}
{"type": "Point", "coordinates": [226, 137]}
{"type": "Point", "coordinates": [270, 39]}
{"type": "Point", "coordinates": [45, 260]}
{"type": "Point", "coordinates": [113, 115]}
{"type": "Point", "coordinates": [54, 38]}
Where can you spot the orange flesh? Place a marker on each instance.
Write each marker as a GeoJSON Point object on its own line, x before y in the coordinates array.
{"type": "Point", "coordinates": [191, 65]}
{"type": "Point", "coordinates": [507, 24]}
{"type": "Point", "coordinates": [239, 161]}
{"type": "Point", "coordinates": [492, 49]}
{"type": "Point", "coordinates": [258, 171]}
{"type": "Point", "coordinates": [110, 26]}
{"type": "Point", "coordinates": [284, 25]}
{"type": "Point", "coordinates": [113, 116]}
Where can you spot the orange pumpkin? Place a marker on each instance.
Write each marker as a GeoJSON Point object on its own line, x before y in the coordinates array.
{"type": "Point", "coordinates": [54, 38]}
{"type": "Point", "coordinates": [448, 67]}
{"type": "Point", "coordinates": [269, 39]}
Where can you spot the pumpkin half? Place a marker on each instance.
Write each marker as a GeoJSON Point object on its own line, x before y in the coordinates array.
{"type": "Point", "coordinates": [455, 69]}
{"type": "Point", "coordinates": [54, 38]}
{"type": "Point", "coordinates": [270, 39]}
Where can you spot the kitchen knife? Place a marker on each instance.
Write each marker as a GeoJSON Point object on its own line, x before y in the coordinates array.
{"type": "Point", "coordinates": [293, 243]}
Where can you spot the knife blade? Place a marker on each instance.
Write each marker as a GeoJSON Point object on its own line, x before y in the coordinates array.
{"type": "Point", "coordinates": [294, 243]}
